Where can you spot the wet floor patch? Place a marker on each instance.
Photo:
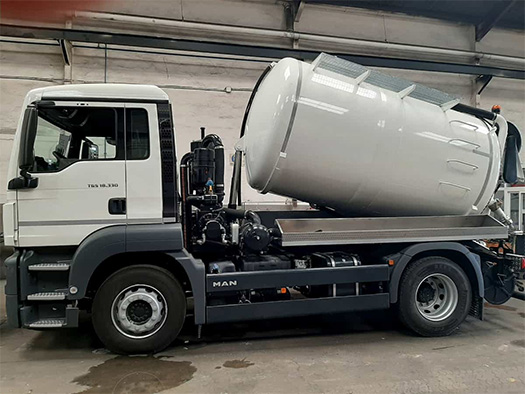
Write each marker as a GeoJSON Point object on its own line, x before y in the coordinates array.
{"type": "Point", "coordinates": [518, 342]}
{"type": "Point", "coordinates": [237, 363]}
{"type": "Point", "coordinates": [136, 375]}
{"type": "Point", "coordinates": [444, 347]}
{"type": "Point", "coordinates": [502, 307]}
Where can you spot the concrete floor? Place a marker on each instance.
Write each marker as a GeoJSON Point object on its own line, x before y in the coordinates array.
{"type": "Point", "coordinates": [331, 354]}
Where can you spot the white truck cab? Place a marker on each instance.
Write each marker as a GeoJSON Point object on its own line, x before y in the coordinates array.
{"type": "Point", "coordinates": [96, 164]}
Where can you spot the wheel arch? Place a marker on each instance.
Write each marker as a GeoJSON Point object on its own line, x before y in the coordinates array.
{"type": "Point", "coordinates": [111, 248]}
{"type": "Point", "coordinates": [454, 251]}
{"type": "Point", "coordinates": [119, 261]}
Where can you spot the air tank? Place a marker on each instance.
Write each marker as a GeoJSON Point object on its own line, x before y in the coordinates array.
{"type": "Point", "coordinates": [338, 135]}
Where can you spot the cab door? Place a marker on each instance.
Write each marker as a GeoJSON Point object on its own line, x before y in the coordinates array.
{"type": "Point", "coordinates": [80, 165]}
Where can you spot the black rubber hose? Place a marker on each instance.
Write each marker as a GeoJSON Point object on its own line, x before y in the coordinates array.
{"type": "Point", "coordinates": [235, 213]}
{"type": "Point", "coordinates": [219, 172]}
{"type": "Point", "coordinates": [235, 183]}
{"type": "Point", "coordinates": [519, 296]}
{"type": "Point", "coordinates": [186, 158]}
{"type": "Point", "coordinates": [238, 159]}
{"type": "Point", "coordinates": [252, 217]}
{"type": "Point", "coordinates": [242, 214]}
{"type": "Point", "coordinates": [211, 139]}
{"type": "Point", "coordinates": [513, 130]}
{"type": "Point", "coordinates": [467, 109]}
{"type": "Point", "coordinates": [185, 206]}
{"type": "Point", "coordinates": [239, 186]}
{"type": "Point", "coordinates": [250, 100]}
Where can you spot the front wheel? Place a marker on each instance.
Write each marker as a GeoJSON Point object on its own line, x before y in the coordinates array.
{"type": "Point", "coordinates": [139, 309]}
{"type": "Point", "coordinates": [434, 297]}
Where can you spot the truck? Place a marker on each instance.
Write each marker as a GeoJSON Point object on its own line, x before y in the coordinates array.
{"type": "Point", "coordinates": [400, 181]}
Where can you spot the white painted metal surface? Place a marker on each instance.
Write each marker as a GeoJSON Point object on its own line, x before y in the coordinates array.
{"type": "Point", "coordinates": [100, 90]}
{"type": "Point", "coordinates": [324, 137]}
{"type": "Point", "coordinates": [143, 177]}
{"type": "Point", "coordinates": [63, 209]}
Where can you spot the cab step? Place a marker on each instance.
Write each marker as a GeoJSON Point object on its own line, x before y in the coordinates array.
{"type": "Point", "coordinates": [47, 296]}
{"type": "Point", "coordinates": [49, 267]}
{"type": "Point", "coordinates": [48, 323]}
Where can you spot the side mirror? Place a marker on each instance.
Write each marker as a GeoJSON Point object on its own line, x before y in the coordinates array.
{"type": "Point", "coordinates": [512, 167]}
{"type": "Point", "coordinates": [510, 173]}
{"type": "Point", "coordinates": [26, 156]}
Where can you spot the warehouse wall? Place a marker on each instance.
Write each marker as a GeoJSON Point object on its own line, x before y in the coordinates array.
{"type": "Point", "coordinates": [196, 89]}
{"type": "Point", "coordinates": [197, 86]}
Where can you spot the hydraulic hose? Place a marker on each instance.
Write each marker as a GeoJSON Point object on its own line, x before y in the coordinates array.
{"type": "Point", "coordinates": [519, 296]}
{"type": "Point", "coordinates": [242, 214]}
{"type": "Point", "coordinates": [185, 206]}
{"type": "Point", "coordinates": [480, 113]}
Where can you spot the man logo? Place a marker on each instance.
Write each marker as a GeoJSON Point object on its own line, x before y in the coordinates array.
{"type": "Point", "coordinates": [226, 283]}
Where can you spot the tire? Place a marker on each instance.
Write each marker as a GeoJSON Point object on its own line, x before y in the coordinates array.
{"type": "Point", "coordinates": [125, 291]}
{"type": "Point", "coordinates": [426, 296]}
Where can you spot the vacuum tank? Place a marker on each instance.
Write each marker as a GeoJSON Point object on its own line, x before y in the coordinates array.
{"type": "Point", "coordinates": [336, 134]}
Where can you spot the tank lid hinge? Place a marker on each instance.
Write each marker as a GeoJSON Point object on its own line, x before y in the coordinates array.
{"type": "Point", "coordinates": [361, 78]}
{"type": "Point", "coordinates": [405, 92]}
{"type": "Point", "coordinates": [449, 104]}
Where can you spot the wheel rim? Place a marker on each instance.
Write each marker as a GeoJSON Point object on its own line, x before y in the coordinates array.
{"type": "Point", "coordinates": [436, 297]}
{"type": "Point", "coordinates": [139, 311]}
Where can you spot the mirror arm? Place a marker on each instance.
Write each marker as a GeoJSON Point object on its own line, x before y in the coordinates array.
{"type": "Point", "coordinates": [26, 154]}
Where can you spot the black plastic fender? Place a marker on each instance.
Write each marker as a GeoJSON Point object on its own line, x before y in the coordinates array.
{"type": "Point", "coordinates": [113, 240]}
{"type": "Point", "coordinates": [407, 254]}
{"type": "Point", "coordinates": [94, 249]}
{"type": "Point", "coordinates": [196, 272]}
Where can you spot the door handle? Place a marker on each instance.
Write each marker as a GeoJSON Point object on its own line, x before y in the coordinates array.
{"type": "Point", "coordinates": [117, 206]}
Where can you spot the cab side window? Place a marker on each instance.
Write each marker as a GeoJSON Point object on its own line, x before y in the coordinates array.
{"type": "Point", "coordinates": [66, 135]}
{"type": "Point", "coordinates": [137, 137]}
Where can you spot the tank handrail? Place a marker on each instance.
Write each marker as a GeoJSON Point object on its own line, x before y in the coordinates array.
{"type": "Point", "coordinates": [477, 146]}
{"type": "Point", "coordinates": [474, 167]}
{"type": "Point", "coordinates": [455, 185]}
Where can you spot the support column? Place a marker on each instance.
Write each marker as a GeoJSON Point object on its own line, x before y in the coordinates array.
{"type": "Point", "coordinates": [67, 56]}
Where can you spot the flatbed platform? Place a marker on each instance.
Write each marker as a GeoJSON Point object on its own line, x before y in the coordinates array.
{"type": "Point", "coordinates": [348, 231]}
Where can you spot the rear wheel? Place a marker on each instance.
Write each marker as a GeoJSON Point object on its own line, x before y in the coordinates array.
{"type": "Point", "coordinates": [434, 297]}
{"type": "Point", "coordinates": [139, 309]}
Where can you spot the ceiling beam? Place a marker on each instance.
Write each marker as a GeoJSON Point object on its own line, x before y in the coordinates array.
{"type": "Point", "coordinates": [255, 51]}
{"type": "Point", "coordinates": [492, 17]}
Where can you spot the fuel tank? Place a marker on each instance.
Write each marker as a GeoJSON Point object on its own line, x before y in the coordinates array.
{"type": "Point", "coordinates": [336, 134]}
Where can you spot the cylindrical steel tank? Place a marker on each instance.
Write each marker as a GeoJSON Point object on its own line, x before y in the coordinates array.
{"type": "Point", "coordinates": [335, 134]}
